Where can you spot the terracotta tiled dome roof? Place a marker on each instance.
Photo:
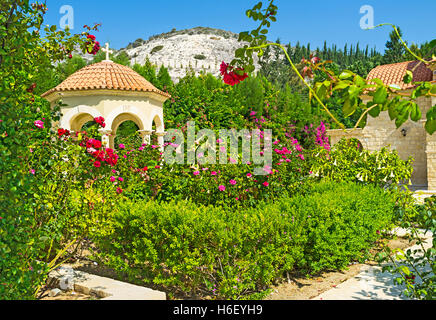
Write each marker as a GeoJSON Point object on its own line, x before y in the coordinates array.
{"type": "Point", "coordinates": [106, 75]}
{"type": "Point", "coordinates": [394, 73]}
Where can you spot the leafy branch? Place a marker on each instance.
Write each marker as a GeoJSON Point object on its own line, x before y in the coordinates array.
{"type": "Point", "coordinates": [349, 86]}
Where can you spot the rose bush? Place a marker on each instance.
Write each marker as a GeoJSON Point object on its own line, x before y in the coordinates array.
{"type": "Point", "coordinates": [28, 48]}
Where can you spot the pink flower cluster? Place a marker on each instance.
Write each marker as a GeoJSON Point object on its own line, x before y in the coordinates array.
{"type": "Point", "coordinates": [321, 137]}
{"type": "Point", "coordinates": [39, 124]}
{"type": "Point", "coordinates": [96, 44]}
{"type": "Point", "coordinates": [285, 151]}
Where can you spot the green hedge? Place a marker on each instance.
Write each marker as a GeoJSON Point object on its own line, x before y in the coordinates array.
{"type": "Point", "coordinates": [212, 251]}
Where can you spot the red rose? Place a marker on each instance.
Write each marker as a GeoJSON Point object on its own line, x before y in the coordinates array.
{"type": "Point", "coordinates": [63, 132]}
{"type": "Point", "coordinates": [97, 144]}
{"type": "Point", "coordinates": [100, 121]}
{"type": "Point", "coordinates": [97, 164]}
{"type": "Point", "coordinates": [230, 77]}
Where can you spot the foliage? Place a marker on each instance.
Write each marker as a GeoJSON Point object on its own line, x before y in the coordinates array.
{"type": "Point", "coordinates": [147, 70]}
{"type": "Point", "coordinates": [416, 269]}
{"type": "Point", "coordinates": [164, 81]}
{"type": "Point", "coordinates": [156, 49]}
{"type": "Point", "coordinates": [205, 100]}
{"type": "Point", "coordinates": [220, 253]}
{"type": "Point", "coordinates": [349, 85]}
{"type": "Point", "coordinates": [21, 60]}
{"type": "Point", "coordinates": [348, 161]}
{"type": "Point", "coordinates": [395, 51]}
{"type": "Point", "coordinates": [198, 30]}
{"type": "Point", "coordinates": [275, 66]}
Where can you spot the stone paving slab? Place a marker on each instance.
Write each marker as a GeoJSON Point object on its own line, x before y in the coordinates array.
{"type": "Point", "coordinates": [104, 288]}
{"type": "Point", "coordinates": [420, 195]}
{"type": "Point", "coordinates": [371, 283]}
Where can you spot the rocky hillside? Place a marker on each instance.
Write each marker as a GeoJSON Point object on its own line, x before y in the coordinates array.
{"type": "Point", "coordinates": [200, 48]}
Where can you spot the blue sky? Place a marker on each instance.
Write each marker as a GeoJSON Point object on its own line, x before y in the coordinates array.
{"type": "Point", "coordinates": [336, 21]}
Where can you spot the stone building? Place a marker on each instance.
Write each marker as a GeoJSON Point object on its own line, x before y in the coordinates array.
{"type": "Point", "coordinates": [114, 92]}
{"type": "Point", "coordinates": [410, 139]}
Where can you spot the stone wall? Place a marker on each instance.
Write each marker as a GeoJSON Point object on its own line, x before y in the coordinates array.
{"type": "Point", "coordinates": [431, 152]}
{"type": "Point", "coordinates": [431, 161]}
{"type": "Point", "coordinates": [409, 140]}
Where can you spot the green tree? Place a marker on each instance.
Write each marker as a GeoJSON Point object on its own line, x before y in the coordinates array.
{"type": "Point", "coordinates": [395, 50]}
{"type": "Point", "coordinates": [67, 68]}
{"type": "Point", "coordinates": [122, 58]}
{"type": "Point", "coordinates": [147, 70]}
{"type": "Point", "coordinates": [164, 79]}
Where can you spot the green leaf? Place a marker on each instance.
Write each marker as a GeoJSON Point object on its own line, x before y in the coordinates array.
{"type": "Point", "coordinates": [378, 81]}
{"type": "Point", "coordinates": [359, 81]}
{"type": "Point", "coordinates": [374, 112]}
{"type": "Point", "coordinates": [353, 91]}
{"type": "Point", "coordinates": [392, 111]}
{"type": "Point", "coordinates": [321, 91]}
{"type": "Point", "coordinates": [348, 108]}
{"type": "Point", "coordinates": [380, 95]}
{"type": "Point", "coordinates": [430, 126]}
{"type": "Point", "coordinates": [346, 74]}
{"type": "Point", "coordinates": [415, 113]}
{"type": "Point", "coordinates": [402, 117]}
{"type": "Point", "coordinates": [341, 85]}
{"type": "Point", "coordinates": [239, 53]}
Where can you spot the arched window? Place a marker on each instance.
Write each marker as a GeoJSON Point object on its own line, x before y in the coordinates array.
{"type": "Point", "coordinates": [127, 134]}
{"type": "Point", "coordinates": [125, 130]}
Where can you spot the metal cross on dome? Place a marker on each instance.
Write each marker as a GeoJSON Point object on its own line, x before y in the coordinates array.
{"type": "Point", "coordinates": [108, 51]}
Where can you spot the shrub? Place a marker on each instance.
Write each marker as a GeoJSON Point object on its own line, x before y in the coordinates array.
{"type": "Point", "coordinates": [222, 253]}
{"type": "Point", "coordinates": [415, 269]}
{"type": "Point", "coordinates": [200, 57]}
{"type": "Point", "coordinates": [348, 162]}
{"type": "Point", "coordinates": [25, 54]}
{"type": "Point", "coordinates": [156, 49]}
